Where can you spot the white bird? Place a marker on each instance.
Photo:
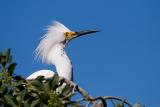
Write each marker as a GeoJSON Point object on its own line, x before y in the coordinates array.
{"type": "Point", "coordinates": [51, 50]}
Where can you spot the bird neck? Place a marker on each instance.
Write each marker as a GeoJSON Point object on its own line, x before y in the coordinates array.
{"type": "Point", "coordinates": [59, 58]}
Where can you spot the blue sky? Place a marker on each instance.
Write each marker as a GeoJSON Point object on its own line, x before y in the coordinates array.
{"type": "Point", "coordinates": [122, 60]}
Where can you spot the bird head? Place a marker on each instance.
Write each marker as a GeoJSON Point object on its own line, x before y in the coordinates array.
{"type": "Point", "coordinates": [71, 35]}
{"type": "Point", "coordinates": [57, 34]}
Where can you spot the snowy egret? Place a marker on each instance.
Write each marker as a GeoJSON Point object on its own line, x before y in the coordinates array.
{"type": "Point", "coordinates": [51, 50]}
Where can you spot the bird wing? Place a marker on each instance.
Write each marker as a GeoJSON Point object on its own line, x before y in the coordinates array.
{"type": "Point", "coordinates": [45, 73]}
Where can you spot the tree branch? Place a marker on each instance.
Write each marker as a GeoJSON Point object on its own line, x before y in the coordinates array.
{"type": "Point", "coordinates": [88, 97]}
{"type": "Point", "coordinates": [119, 99]}
{"type": "Point", "coordinates": [85, 94]}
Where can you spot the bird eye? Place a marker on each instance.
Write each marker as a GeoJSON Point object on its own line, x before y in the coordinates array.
{"type": "Point", "coordinates": [66, 35]}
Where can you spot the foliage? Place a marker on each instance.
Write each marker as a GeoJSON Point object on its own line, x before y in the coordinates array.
{"type": "Point", "coordinates": [15, 91]}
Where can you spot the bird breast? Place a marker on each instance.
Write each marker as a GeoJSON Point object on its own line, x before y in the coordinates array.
{"type": "Point", "coordinates": [59, 58]}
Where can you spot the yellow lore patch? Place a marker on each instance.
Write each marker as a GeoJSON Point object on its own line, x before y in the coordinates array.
{"type": "Point", "coordinates": [70, 35]}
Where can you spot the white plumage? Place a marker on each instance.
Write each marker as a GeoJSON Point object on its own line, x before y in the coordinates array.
{"type": "Point", "coordinates": [51, 50]}
{"type": "Point", "coordinates": [45, 73]}
{"type": "Point", "coordinates": [54, 36]}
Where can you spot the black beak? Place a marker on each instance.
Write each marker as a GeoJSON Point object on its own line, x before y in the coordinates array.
{"type": "Point", "coordinates": [80, 33]}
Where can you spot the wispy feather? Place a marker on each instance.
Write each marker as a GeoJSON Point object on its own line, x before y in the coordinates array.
{"type": "Point", "coordinates": [54, 35]}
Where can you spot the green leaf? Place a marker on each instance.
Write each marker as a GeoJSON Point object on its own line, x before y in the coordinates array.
{"type": "Point", "coordinates": [3, 60]}
{"type": "Point", "coordinates": [137, 105]}
{"type": "Point", "coordinates": [44, 105]}
{"type": "Point", "coordinates": [10, 59]}
{"type": "Point", "coordinates": [120, 105]}
{"type": "Point", "coordinates": [11, 68]}
{"type": "Point", "coordinates": [74, 104]}
{"type": "Point", "coordinates": [0, 83]}
{"type": "Point", "coordinates": [20, 96]}
{"type": "Point", "coordinates": [4, 90]}
{"type": "Point", "coordinates": [7, 53]}
{"type": "Point", "coordinates": [1, 57]}
{"type": "Point", "coordinates": [10, 100]}
{"type": "Point", "coordinates": [67, 89]}
{"type": "Point", "coordinates": [53, 82]}
{"type": "Point", "coordinates": [5, 57]}
{"type": "Point", "coordinates": [34, 103]}
{"type": "Point", "coordinates": [40, 78]}
{"type": "Point", "coordinates": [18, 78]}
{"type": "Point", "coordinates": [37, 86]}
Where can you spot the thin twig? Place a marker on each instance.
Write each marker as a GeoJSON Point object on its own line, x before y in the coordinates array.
{"type": "Point", "coordinates": [103, 102]}
{"type": "Point", "coordinates": [117, 98]}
